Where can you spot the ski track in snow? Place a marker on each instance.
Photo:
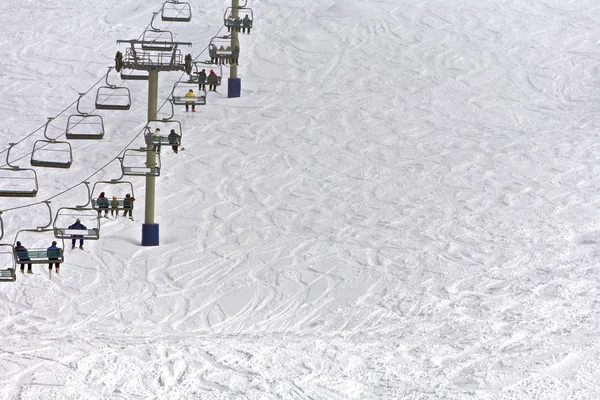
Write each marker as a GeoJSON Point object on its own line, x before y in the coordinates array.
{"type": "Point", "coordinates": [401, 206]}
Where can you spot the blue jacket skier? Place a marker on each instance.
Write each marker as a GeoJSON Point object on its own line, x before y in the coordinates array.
{"type": "Point", "coordinates": [77, 225]}
{"type": "Point", "coordinates": [53, 255]}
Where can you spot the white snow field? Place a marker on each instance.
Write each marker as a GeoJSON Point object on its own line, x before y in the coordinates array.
{"type": "Point", "coordinates": [401, 205]}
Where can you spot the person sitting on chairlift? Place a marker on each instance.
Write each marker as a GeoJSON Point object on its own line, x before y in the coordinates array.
{"type": "Point", "coordinates": [246, 23]}
{"type": "Point", "coordinates": [221, 56]}
{"type": "Point", "coordinates": [212, 51]}
{"type": "Point", "coordinates": [212, 81]}
{"type": "Point", "coordinates": [22, 255]}
{"type": "Point", "coordinates": [114, 204]}
{"type": "Point", "coordinates": [202, 79]}
{"type": "Point", "coordinates": [80, 226]}
{"type": "Point", "coordinates": [102, 203]}
{"type": "Point", "coordinates": [174, 140]}
{"type": "Point", "coordinates": [188, 103]}
{"type": "Point", "coordinates": [235, 54]}
{"type": "Point", "coordinates": [128, 205]}
{"type": "Point", "coordinates": [53, 255]}
{"type": "Point", "coordinates": [229, 23]}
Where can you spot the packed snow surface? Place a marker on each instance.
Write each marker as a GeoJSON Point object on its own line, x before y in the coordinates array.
{"type": "Point", "coordinates": [401, 205]}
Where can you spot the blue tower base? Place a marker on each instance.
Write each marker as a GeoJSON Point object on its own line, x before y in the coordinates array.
{"type": "Point", "coordinates": [150, 234]}
{"type": "Point", "coordinates": [234, 87]}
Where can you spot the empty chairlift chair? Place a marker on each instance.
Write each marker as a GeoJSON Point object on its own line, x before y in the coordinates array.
{"type": "Point", "coordinates": [7, 268]}
{"type": "Point", "coordinates": [16, 181]}
{"type": "Point", "coordinates": [176, 11]}
{"type": "Point", "coordinates": [135, 162]}
{"type": "Point", "coordinates": [51, 153]}
{"type": "Point", "coordinates": [84, 126]}
{"type": "Point", "coordinates": [157, 40]}
{"type": "Point", "coordinates": [112, 97]}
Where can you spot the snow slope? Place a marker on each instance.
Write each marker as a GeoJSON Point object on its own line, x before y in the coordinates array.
{"type": "Point", "coordinates": [401, 205]}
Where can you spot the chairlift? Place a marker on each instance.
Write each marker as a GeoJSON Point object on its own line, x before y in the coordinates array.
{"type": "Point", "coordinates": [224, 50]}
{"type": "Point", "coordinates": [112, 97]}
{"type": "Point", "coordinates": [157, 40]}
{"type": "Point", "coordinates": [203, 65]}
{"type": "Point", "coordinates": [137, 58]}
{"type": "Point", "coordinates": [7, 272]}
{"type": "Point", "coordinates": [83, 125]}
{"type": "Point", "coordinates": [181, 88]}
{"type": "Point", "coordinates": [243, 24]}
{"type": "Point", "coordinates": [176, 11]}
{"type": "Point", "coordinates": [39, 255]}
{"type": "Point", "coordinates": [51, 152]}
{"type": "Point", "coordinates": [67, 217]}
{"type": "Point", "coordinates": [134, 162]}
{"type": "Point", "coordinates": [101, 187]}
{"type": "Point", "coordinates": [165, 126]}
{"type": "Point", "coordinates": [16, 181]}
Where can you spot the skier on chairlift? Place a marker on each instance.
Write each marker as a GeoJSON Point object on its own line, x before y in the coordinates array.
{"type": "Point", "coordinates": [246, 22]}
{"type": "Point", "coordinates": [202, 79]}
{"type": "Point", "coordinates": [21, 252]}
{"type": "Point", "coordinates": [188, 103]}
{"type": "Point", "coordinates": [78, 226]}
{"type": "Point", "coordinates": [212, 81]}
{"type": "Point", "coordinates": [102, 203]}
{"type": "Point", "coordinates": [53, 253]}
{"type": "Point", "coordinates": [174, 140]}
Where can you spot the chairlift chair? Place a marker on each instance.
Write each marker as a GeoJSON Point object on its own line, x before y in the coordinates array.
{"type": "Point", "coordinates": [51, 153]}
{"type": "Point", "coordinates": [83, 125]}
{"type": "Point", "coordinates": [112, 97]}
{"type": "Point", "coordinates": [176, 11]}
{"type": "Point", "coordinates": [7, 272]}
{"type": "Point", "coordinates": [166, 126]}
{"type": "Point", "coordinates": [157, 40]}
{"type": "Point", "coordinates": [38, 255]}
{"type": "Point", "coordinates": [16, 181]}
{"type": "Point", "coordinates": [224, 50]}
{"type": "Point", "coordinates": [242, 24]}
{"type": "Point", "coordinates": [67, 216]}
{"type": "Point", "coordinates": [181, 88]}
{"type": "Point", "coordinates": [99, 187]}
{"type": "Point", "coordinates": [134, 163]}
{"type": "Point", "coordinates": [199, 65]}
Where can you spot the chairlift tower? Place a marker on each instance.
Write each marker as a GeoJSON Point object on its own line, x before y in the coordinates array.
{"type": "Point", "coordinates": [152, 56]}
{"type": "Point", "coordinates": [234, 84]}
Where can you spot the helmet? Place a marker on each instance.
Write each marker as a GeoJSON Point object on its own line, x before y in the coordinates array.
{"type": "Point", "coordinates": [114, 197]}
{"type": "Point", "coordinates": [77, 220]}
{"type": "Point", "coordinates": [191, 90]}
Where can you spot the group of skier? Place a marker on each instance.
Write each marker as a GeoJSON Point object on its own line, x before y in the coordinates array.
{"type": "Point", "coordinates": [53, 253]}
{"type": "Point", "coordinates": [238, 25]}
{"type": "Point", "coordinates": [115, 205]}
